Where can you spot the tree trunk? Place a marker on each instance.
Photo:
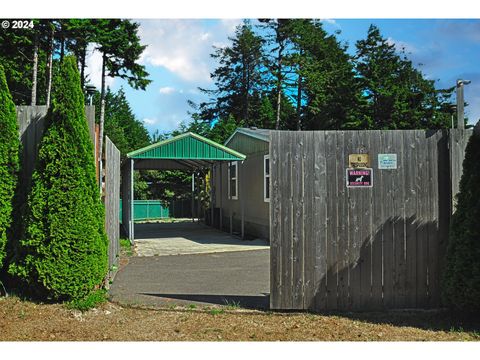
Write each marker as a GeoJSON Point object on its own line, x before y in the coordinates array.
{"type": "Point", "coordinates": [62, 46]}
{"type": "Point", "coordinates": [102, 121]}
{"type": "Point", "coordinates": [245, 92]}
{"type": "Point", "coordinates": [50, 67]}
{"type": "Point", "coordinates": [82, 67]}
{"type": "Point", "coordinates": [299, 102]}
{"type": "Point", "coordinates": [279, 85]}
{"type": "Point", "coordinates": [34, 71]}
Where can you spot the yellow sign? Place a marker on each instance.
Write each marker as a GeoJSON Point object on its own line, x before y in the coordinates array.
{"type": "Point", "coordinates": [358, 161]}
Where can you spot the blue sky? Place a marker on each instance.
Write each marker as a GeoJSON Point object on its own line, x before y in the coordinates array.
{"type": "Point", "coordinates": [178, 59]}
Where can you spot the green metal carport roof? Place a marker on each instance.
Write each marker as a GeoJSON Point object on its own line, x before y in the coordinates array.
{"type": "Point", "coordinates": [187, 151]}
{"type": "Point", "coordinates": [184, 151]}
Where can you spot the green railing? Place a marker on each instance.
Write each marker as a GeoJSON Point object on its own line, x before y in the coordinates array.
{"type": "Point", "coordinates": [144, 210]}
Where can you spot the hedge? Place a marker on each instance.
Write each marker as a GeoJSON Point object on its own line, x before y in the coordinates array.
{"type": "Point", "coordinates": [461, 286]}
{"type": "Point", "coordinates": [63, 252]}
{"type": "Point", "coordinates": [9, 160]}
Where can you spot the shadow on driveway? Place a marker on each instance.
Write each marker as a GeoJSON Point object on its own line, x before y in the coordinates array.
{"type": "Point", "coordinates": [261, 302]}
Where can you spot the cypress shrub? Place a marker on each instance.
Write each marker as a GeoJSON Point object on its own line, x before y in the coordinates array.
{"type": "Point", "coordinates": [9, 160]}
{"type": "Point", "coordinates": [63, 252]}
{"type": "Point", "coordinates": [461, 286]}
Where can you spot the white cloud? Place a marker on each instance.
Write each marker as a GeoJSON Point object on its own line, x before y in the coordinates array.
{"type": "Point", "coordinates": [94, 68]}
{"type": "Point", "coordinates": [331, 22]}
{"type": "Point", "coordinates": [183, 46]}
{"type": "Point", "coordinates": [148, 121]}
{"type": "Point", "coordinates": [177, 46]}
{"type": "Point", "coordinates": [166, 90]}
{"type": "Point", "coordinates": [402, 45]}
{"type": "Point", "coordinates": [166, 123]}
{"type": "Point", "coordinates": [230, 24]}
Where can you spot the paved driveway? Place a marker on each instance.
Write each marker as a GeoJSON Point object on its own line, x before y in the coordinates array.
{"type": "Point", "coordinates": [182, 238]}
{"type": "Point", "coordinates": [190, 263]}
{"type": "Point", "coordinates": [240, 278]}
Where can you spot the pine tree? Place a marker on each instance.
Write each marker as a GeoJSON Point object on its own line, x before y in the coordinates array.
{"type": "Point", "coordinates": [461, 285]}
{"type": "Point", "coordinates": [63, 251]}
{"type": "Point", "coordinates": [9, 149]}
{"type": "Point", "coordinates": [327, 93]}
{"type": "Point", "coordinates": [119, 43]}
{"type": "Point", "coordinates": [238, 78]}
{"type": "Point", "coordinates": [397, 95]}
{"type": "Point", "coordinates": [278, 38]}
{"type": "Point", "coordinates": [121, 125]}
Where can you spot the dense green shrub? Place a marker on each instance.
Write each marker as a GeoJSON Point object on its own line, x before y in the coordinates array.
{"type": "Point", "coordinates": [461, 287]}
{"type": "Point", "coordinates": [63, 251]}
{"type": "Point", "coordinates": [9, 145]}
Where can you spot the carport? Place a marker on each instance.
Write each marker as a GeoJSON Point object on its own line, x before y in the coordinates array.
{"type": "Point", "coordinates": [187, 152]}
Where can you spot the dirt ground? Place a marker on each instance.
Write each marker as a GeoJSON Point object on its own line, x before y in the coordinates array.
{"type": "Point", "coordinates": [24, 320]}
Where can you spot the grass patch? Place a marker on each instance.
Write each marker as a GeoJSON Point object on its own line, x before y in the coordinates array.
{"type": "Point", "coordinates": [92, 300]}
{"type": "Point", "coordinates": [216, 311]}
{"type": "Point", "coordinates": [232, 305]}
{"type": "Point", "coordinates": [126, 247]}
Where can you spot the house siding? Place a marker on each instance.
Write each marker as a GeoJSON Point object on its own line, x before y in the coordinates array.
{"type": "Point", "coordinates": [256, 223]}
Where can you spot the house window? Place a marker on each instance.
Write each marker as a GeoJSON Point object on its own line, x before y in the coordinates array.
{"type": "Point", "coordinates": [266, 178]}
{"type": "Point", "coordinates": [233, 180]}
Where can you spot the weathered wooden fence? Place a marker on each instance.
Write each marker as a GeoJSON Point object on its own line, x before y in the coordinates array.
{"type": "Point", "coordinates": [112, 203]}
{"type": "Point", "coordinates": [338, 247]}
{"type": "Point", "coordinates": [31, 123]}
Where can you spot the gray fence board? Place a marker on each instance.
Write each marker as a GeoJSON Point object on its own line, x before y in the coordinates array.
{"type": "Point", "coordinates": [112, 204]}
{"type": "Point", "coordinates": [298, 158]}
{"type": "Point", "coordinates": [399, 221]}
{"type": "Point", "coordinates": [374, 248]}
{"type": "Point", "coordinates": [276, 227]}
{"type": "Point", "coordinates": [331, 216]}
{"type": "Point", "coordinates": [309, 220]}
{"type": "Point", "coordinates": [320, 220]}
{"type": "Point", "coordinates": [377, 227]}
{"type": "Point", "coordinates": [342, 247]}
{"type": "Point", "coordinates": [409, 163]}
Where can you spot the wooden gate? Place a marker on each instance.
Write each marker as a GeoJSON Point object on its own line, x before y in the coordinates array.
{"type": "Point", "coordinates": [359, 248]}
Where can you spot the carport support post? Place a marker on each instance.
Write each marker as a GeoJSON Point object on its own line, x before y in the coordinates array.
{"type": "Point", "coordinates": [193, 195]}
{"type": "Point", "coordinates": [220, 195]}
{"type": "Point", "coordinates": [242, 199]}
{"type": "Point", "coordinates": [211, 196]}
{"type": "Point", "coordinates": [199, 188]}
{"type": "Point", "coordinates": [132, 197]}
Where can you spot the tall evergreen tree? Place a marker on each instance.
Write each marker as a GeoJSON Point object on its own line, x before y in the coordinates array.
{"type": "Point", "coordinates": [461, 285]}
{"type": "Point", "coordinates": [238, 78]}
{"type": "Point", "coordinates": [279, 33]}
{"type": "Point", "coordinates": [119, 43]}
{"type": "Point", "coordinates": [9, 149]}
{"type": "Point", "coordinates": [398, 96]}
{"type": "Point", "coordinates": [327, 93]}
{"type": "Point", "coordinates": [121, 125]}
{"type": "Point", "coordinates": [62, 253]}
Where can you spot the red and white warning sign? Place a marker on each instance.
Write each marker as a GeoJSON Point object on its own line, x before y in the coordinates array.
{"type": "Point", "coordinates": [359, 177]}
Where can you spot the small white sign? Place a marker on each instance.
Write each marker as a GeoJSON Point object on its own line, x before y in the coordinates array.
{"type": "Point", "coordinates": [387, 161]}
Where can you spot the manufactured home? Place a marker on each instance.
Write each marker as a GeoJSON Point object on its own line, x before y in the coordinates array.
{"type": "Point", "coordinates": [241, 189]}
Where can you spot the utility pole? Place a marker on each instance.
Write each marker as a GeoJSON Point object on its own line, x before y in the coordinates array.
{"type": "Point", "coordinates": [460, 102]}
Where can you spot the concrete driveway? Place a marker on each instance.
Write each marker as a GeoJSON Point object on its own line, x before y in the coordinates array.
{"type": "Point", "coordinates": [188, 263]}
{"type": "Point", "coordinates": [182, 238]}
